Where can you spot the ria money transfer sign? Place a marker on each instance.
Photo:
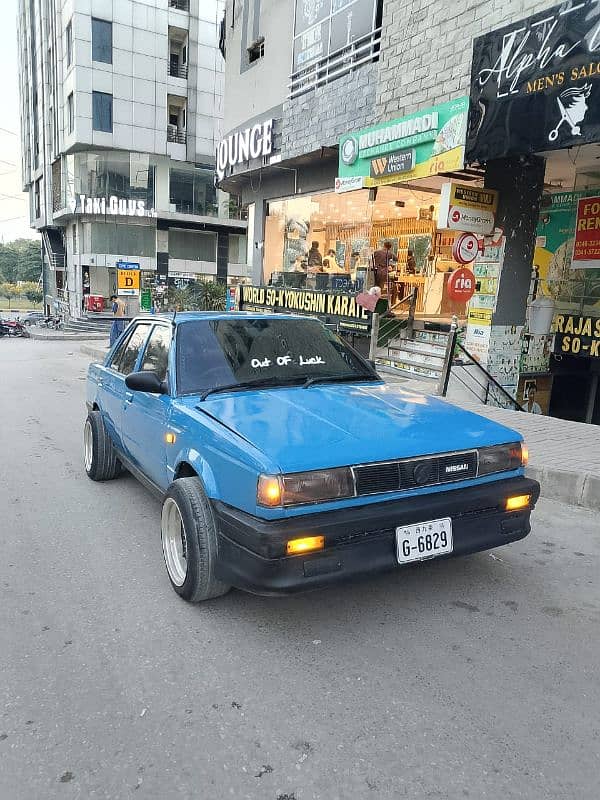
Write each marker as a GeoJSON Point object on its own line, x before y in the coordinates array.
{"type": "Point", "coordinates": [425, 143]}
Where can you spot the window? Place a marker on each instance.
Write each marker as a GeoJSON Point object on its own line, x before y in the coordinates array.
{"type": "Point", "coordinates": [193, 245]}
{"type": "Point", "coordinates": [233, 352]}
{"type": "Point", "coordinates": [156, 357]}
{"type": "Point", "coordinates": [192, 191]}
{"type": "Point", "coordinates": [69, 43]}
{"type": "Point", "coordinates": [102, 111]}
{"type": "Point", "coordinates": [36, 200]}
{"type": "Point", "coordinates": [256, 50]}
{"type": "Point", "coordinates": [75, 239]}
{"type": "Point", "coordinates": [126, 357]}
{"type": "Point", "coordinates": [101, 41]}
{"type": "Point", "coordinates": [238, 249]}
{"type": "Point", "coordinates": [123, 240]}
{"type": "Point", "coordinates": [70, 113]}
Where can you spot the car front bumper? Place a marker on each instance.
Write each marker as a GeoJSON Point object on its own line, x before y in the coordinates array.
{"type": "Point", "coordinates": [361, 540]}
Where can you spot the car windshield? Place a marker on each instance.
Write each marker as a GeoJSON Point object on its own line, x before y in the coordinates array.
{"type": "Point", "coordinates": [268, 351]}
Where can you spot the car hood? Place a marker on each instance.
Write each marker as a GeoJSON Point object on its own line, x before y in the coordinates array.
{"type": "Point", "coordinates": [332, 424]}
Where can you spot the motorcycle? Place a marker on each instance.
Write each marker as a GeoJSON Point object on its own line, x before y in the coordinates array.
{"type": "Point", "coordinates": [12, 327]}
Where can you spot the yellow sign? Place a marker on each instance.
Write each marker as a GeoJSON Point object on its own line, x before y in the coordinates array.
{"type": "Point", "coordinates": [480, 316]}
{"type": "Point", "coordinates": [128, 279]}
{"type": "Point", "coordinates": [472, 197]}
{"type": "Point", "coordinates": [449, 161]}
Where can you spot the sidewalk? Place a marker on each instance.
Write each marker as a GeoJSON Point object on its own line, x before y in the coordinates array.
{"type": "Point", "coordinates": [563, 456]}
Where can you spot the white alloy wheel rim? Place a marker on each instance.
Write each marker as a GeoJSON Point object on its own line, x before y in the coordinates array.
{"type": "Point", "coordinates": [88, 445]}
{"type": "Point", "coordinates": [173, 542]}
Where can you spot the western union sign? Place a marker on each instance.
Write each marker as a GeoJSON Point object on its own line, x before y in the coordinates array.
{"type": "Point", "coordinates": [393, 164]}
{"type": "Point", "coordinates": [343, 308]}
{"type": "Point", "coordinates": [577, 336]}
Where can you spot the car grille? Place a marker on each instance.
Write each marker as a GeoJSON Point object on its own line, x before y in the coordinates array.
{"type": "Point", "coordinates": [413, 473]}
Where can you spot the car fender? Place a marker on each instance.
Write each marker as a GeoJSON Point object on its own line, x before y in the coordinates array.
{"type": "Point", "coordinates": [201, 466]}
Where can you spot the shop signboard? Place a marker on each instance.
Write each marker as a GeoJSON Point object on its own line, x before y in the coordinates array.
{"type": "Point", "coordinates": [435, 137]}
{"type": "Point", "coordinates": [465, 248]}
{"type": "Point", "coordinates": [577, 336]}
{"type": "Point", "coordinates": [112, 206]}
{"type": "Point", "coordinates": [323, 27]}
{"type": "Point", "coordinates": [393, 164]}
{"type": "Point", "coordinates": [467, 208]}
{"type": "Point", "coordinates": [586, 248]}
{"type": "Point", "coordinates": [535, 84]}
{"type": "Point", "coordinates": [348, 184]}
{"type": "Point", "coordinates": [341, 308]}
{"type": "Point", "coordinates": [461, 285]}
{"type": "Point", "coordinates": [128, 278]}
{"type": "Point", "coordinates": [244, 146]}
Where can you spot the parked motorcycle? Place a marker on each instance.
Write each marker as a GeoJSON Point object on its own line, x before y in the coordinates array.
{"type": "Point", "coordinates": [12, 327]}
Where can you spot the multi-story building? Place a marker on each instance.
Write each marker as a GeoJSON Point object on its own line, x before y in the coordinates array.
{"type": "Point", "coordinates": [349, 122]}
{"type": "Point", "coordinates": [121, 110]}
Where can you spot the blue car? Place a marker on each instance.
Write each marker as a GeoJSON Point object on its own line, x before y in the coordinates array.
{"type": "Point", "coordinates": [285, 463]}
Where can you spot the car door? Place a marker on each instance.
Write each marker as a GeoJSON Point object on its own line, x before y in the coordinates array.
{"type": "Point", "coordinates": [146, 416]}
{"type": "Point", "coordinates": [112, 391]}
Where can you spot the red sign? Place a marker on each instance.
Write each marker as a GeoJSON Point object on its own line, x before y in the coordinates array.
{"type": "Point", "coordinates": [461, 285]}
{"type": "Point", "coordinates": [586, 250]}
{"type": "Point", "coordinates": [465, 248]}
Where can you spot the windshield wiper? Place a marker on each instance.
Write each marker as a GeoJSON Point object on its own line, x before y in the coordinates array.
{"type": "Point", "coordinates": [366, 376]}
{"type": "Point", "coordinates": [261, 382]}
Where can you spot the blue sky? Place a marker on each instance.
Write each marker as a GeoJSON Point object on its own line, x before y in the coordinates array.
{"type": "Point", "coordinates": [16, 204]}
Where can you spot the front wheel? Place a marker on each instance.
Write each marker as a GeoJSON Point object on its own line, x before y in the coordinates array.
{"type": "Point", "coordinates": [99, 457]}
{"type": "Point", "coordinates": [189, 542]}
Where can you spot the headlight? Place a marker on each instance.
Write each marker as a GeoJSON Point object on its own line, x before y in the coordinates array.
{"type": "Point", "coordinates": [316, 486]}
{"type": "Point", "coordinates": [503, 458]}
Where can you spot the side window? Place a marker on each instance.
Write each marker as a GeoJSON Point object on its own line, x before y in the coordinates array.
{"type": "Point", "coordinates": [125, 359]}
{"type": "Point", "coordinates": [156, 357]}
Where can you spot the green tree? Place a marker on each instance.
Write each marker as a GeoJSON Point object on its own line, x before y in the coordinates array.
{"type": "Point", "coordinates": [20, 261]}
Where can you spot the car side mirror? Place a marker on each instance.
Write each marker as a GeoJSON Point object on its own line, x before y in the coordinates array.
{"type": "Point", "coordinates": [145, 382]}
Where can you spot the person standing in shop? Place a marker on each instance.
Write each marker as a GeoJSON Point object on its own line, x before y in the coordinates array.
{"type": "Point", "coordinates": [383, 259]}
{"type": "Point", "coordinates": [315, 259]}
{"type": "Point", "coordinates": [118, 326]}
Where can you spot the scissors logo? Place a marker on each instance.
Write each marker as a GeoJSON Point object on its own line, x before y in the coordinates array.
{"type": "Point", "coordinates": [573, 108]}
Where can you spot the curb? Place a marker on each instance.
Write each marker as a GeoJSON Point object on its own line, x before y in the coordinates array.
{"type": "Point", "coordinates": [97, 353]}
{"type": "Point", "coordinates": [574, 488]}
{"type": "Point", "coordinates": [58, 336]}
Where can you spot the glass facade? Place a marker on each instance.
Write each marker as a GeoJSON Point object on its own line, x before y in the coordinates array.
{"type": "Point", "coordinates": [192, 191]}
{"type": "Point", "coordinates": [129, 176]}
{"type": "Point", "coordinates": [193, 245]}
{"type": "Point", "coordinates": [101, 40]}
{"type": "Point", "coordinates": [102, 112]}
{"type": "Point", "coordinates": [120, 239]}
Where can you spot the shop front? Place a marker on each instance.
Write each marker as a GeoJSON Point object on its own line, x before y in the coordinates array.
{"type": "Point", "coordinates": [543, 120]}
{"type": "Point", "coordinates": [379, 221]}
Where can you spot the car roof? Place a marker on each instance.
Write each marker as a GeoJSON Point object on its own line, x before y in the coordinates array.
{"type": "Point", "coordinates": [190, 316]}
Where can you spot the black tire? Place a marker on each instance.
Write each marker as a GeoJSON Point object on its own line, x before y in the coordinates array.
{"type": "Point", "coordinates": [101, 462]}
{"type": "Point", "coordinates": [199, 538]}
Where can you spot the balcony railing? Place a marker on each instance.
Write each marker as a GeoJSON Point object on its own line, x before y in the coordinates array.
{"type": "Point", "coordinates": [178, 70]}
{"type": "Point", "coordinates": [176, 136]}
{"type": "Point", "coordinates": [336, 64]}
{"type": "Point", "coordinates": [180, 5]}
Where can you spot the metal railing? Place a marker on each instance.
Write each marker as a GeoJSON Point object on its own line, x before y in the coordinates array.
{"type": "Point", "coordinates": [489, 385]}
{"type": "Point", "coordinates": [388, 327]}
{"type": "Point", "coordinates": [176, 136]}
{"type": "Point", "coordinates": [178, 70]}
{"type": "Point", "coordinates": [336, 64]}
{"type": "Point", "coordinates": [180, 5]}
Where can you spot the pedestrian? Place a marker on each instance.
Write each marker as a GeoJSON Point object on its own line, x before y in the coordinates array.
{"type": "Point", "coordinates": [118, 326]}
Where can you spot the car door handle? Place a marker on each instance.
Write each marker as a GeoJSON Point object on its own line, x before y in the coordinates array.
{"type": "Point", "coordinates": [128, 397]}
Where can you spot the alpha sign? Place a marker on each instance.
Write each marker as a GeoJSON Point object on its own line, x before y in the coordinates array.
{"type": "Point", "coordinates": [113, 206]}
{"type": "Point", "coordinates": [535, 84]}
{"type": "Point", "coordinates": [244, 146]}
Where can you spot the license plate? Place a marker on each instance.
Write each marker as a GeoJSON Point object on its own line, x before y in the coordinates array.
{"type": "Point", "coordinates": [424, 540]}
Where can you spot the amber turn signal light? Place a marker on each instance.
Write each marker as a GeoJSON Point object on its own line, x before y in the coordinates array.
{"type": "Point", "coordinates": [170, 438]}
{"type": "Point", "coordinates": [524, 454]}
{"type": "Point", "coordinates": [306, 545]}
{"type": "Point", "coordinates": [517, 502]}
{"type": "Point", "coordinates": [269, 491]}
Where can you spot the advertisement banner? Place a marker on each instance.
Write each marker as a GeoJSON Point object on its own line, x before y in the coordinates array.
{"type": "Point", "coordinates": [586, 248]}
{"type": "Point", "coordinates": [535, 84]}
{"type": "Point", "coordinates": [340, 308]}
{"type": "Point", "coordinates": [425, 143]}
{"type": "Point", "coordinates": [467, 208]}
{"type": "Point", "coordinates": [128, 281]}
{"type": "Point", "coordinates": [577, 336]}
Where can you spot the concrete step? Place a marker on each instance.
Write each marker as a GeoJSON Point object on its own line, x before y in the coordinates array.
{"type": "Point", "coordinates": [410, 367]}
{"type": "Point", "coordinates": [433, 337]}
{"type": "Point", "coordinates": [420, 348]}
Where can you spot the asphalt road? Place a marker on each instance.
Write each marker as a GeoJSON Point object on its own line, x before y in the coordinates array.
{"type": "Point", "coordinates": [471, 678]}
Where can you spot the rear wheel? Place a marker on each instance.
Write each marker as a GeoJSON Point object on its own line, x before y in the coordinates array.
{"type": "Point", "coordinates": [189, 542]}
{"type": "Point", "coordinates": [99, 457]}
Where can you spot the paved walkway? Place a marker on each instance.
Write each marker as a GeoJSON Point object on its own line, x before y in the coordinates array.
{"type": "Point", "coordinates": [563, 456]}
